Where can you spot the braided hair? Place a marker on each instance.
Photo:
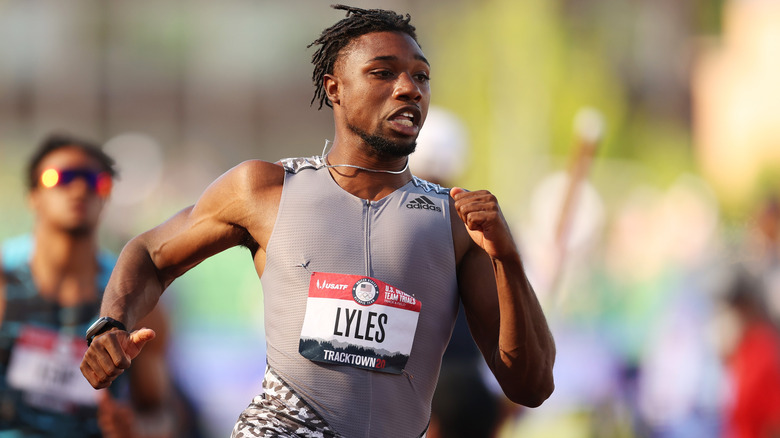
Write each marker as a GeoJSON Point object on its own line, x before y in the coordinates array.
{"type": "Point", "coordinates": [358, 23]}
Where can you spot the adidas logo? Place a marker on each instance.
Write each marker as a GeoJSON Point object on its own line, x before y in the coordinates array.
{"type": "Point", "coordinates": [423, 203]}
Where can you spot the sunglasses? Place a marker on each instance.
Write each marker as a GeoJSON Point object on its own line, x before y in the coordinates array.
{"type": "Point", "coordinates": [97, 181]}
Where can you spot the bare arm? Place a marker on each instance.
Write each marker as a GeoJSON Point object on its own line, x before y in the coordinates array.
{"type": "Point", "coordinates": [504, 314]}
{"type": "Point", "coordinates": [237, 208]}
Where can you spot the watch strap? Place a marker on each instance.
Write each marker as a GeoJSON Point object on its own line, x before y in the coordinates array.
{"type": "Point", "coordinates": [102, 325]}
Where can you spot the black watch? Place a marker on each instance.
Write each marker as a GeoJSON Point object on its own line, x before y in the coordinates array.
{"type": "Point", "coordinates": [102, 325]}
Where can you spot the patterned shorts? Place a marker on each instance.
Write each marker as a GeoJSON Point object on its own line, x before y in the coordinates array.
{"type": "Point", "coordinates": [279, 412]}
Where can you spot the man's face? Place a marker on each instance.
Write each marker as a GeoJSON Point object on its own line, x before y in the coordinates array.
{"type": "Point", "coordinates": [71, 191]}
{"type": "Point", "coordinates": [383, 91]}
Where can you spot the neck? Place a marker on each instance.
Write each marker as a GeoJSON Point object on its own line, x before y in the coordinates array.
{"type": "Point", "coordinates": [63, 266]}
{"type": "Point", "coordinates": [366, 176]}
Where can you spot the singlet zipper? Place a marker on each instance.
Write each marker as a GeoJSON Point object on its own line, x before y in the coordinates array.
{"type": "Point", "coordinates": [367, 229]}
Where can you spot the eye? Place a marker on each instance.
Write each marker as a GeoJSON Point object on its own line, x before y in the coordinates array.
{"type": "Point", "coordinates": [422, 77]}
{"type": "Point", "coordinates": [382, 74]}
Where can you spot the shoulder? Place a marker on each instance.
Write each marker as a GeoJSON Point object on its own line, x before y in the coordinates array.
{"type": "Point", "coordinates": [247, 197]}
{"type": "Point", "coordinates": [239, 193]}
{"type": "Point", "coordinates": [249, 180]}
{"type": "Point", "coordinates": [16, 251]}
{"type": "Point", "coordinates": [257, 173]}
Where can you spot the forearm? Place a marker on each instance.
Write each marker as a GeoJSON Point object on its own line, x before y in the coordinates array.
{"type": "Point", "coordinates": [135, 285]}
{"type": "Point", "coordinates": [525, 353]}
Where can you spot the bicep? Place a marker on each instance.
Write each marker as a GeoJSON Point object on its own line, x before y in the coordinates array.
{"type": "Point", "coordinates": [214, 223]}
{"type": "Point", "coordinates": [185, 240]}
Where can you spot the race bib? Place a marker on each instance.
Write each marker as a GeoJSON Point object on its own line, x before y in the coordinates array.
{"type": "Point", "coordinates": [45, 362]}
{"type": "Point", "coordinates": [358, 321]}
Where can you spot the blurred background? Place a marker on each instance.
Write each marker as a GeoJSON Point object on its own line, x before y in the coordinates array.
{"type": "Point", "coordinates": [634, 146]}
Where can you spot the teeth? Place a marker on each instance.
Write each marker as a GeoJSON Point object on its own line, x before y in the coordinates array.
{"type": "Point", "coordinates": [405, 118]}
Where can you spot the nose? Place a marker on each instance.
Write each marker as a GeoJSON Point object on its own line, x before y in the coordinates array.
{"type": "Point", "coordinates": [407, 89]}
{"type": "Point", "coordinates": [80, 186]}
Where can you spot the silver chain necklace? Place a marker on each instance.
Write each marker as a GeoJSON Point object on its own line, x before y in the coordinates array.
{"type": "Point", "coordinates": [329, 166]}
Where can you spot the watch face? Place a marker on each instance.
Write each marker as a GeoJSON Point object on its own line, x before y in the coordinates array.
{"type": "Point", "coordinates": [101, 325]}
{"type": "Point", "coordinates": [95, 327]}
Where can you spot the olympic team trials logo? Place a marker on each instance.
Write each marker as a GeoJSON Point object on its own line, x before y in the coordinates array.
{"type": "Point", "coordinates": [365, 291]}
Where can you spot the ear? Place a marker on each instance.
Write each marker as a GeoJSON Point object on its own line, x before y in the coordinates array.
{"type": "Point", "coordinates": [332, 86]}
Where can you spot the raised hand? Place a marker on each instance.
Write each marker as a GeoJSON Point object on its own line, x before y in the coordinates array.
{"type": "Point", "coordinates": [484, 221]}
{"type": "Point", "coordinates": [111, 354]}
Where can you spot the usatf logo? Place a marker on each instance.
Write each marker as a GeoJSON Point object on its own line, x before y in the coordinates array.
{"type": "Point", "coordinates": [423, 203]}
{"type": "Point", "coordinates": [365, 291]}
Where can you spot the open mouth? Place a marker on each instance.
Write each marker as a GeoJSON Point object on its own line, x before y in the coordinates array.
{"type": "Point", "coordinates": [407, 118]}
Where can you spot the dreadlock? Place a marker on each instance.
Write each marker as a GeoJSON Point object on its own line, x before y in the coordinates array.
{"type": "Point", "coordinates": [358, 22]}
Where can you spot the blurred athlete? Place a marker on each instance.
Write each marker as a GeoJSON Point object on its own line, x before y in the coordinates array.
{"type": "Point", "coordinates": [51, 284]}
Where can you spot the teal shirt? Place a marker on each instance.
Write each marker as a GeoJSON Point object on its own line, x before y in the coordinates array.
{"type": "Point", "coordinates": [22, 414]}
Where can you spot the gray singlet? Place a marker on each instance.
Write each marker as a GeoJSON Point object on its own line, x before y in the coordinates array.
{"type": "Point", "coordinates": [404, 240]}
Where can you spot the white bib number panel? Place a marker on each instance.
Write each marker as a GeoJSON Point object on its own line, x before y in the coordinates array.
{"type": "Point", "coordinates": [358, 321]}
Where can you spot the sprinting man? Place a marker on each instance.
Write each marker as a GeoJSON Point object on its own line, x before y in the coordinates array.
{"type": "Point", "coordinates": [362, 264]}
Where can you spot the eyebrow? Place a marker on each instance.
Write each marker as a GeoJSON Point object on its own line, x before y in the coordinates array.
{"type": "Point", "coordinates": [395, 58]}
